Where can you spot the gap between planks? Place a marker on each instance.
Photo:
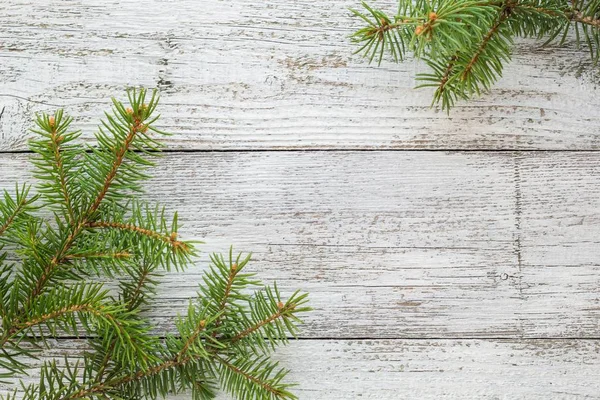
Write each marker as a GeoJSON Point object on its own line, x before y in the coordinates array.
{"type": "Point", "coordinates": [348, 150]}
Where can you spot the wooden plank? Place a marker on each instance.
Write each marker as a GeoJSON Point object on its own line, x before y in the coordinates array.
{"type": "Point", "coordinates": [432, 369]}
{"type": "Point", "coordinates": [394, 244]}
{"type": "Point", "coordinates": [244, 74]}
{"type": "Point", "coordinates": [560, 239]}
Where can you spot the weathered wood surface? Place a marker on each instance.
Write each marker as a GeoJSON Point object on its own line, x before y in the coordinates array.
{"type": "Point", "coordinates": [278, 74]}
{"type": "Point", "coordinates": [467, 275]}
{"type": "Point", "coordinates": [396, 244]}
{"type": "Point", "coordinates": [434, 369]}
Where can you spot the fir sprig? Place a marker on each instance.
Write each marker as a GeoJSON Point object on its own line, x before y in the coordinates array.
{"type": "Point", "coordinates": [467, 43]}
{"type": "Point", "coordinates": [97, 227]}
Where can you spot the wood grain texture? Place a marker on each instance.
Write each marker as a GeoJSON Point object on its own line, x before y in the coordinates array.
{"type": "Point", "coordinates": [273, 75]}
{"type": "Point", "coordinates": [397, 244]}
{"type": "Point", "coordinates": [431, 369]}
{"type": "Point", "coordinates": [434, 275]}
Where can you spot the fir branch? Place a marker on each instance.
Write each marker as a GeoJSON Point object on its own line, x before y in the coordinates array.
{"type": "Point", "coordinates": [133, 294]}
{"type": "Point", "coordinates": [141, 226]}
{"type": "Point", "coordinates": [382, 34]}
{"type": "Point", "coordinates": [198, 326]}
{"type": "Point", "coordinates": [135, 127]}
{"type": "Point", "coordinates": [98, 229]}
{"type": "Point", "coordinates": [253, 378]}
{"type": "Point", "coordinates": [472, 39]}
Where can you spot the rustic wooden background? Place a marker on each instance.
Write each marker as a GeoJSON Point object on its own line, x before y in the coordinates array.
{"type": "Point", "coordinates": [447, 257]}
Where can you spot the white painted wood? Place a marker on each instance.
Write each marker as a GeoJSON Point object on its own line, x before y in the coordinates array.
{"type": "Point", "coordinates": [422, 254]}
{"type": "Point", "coordinates": [247, 74]}
{"type": "Point", "coordinates": [559, 199]}
{"type": "Point", "coordinates": [432, 369]}
{"type": "Point", "coordinates": [397, 244]}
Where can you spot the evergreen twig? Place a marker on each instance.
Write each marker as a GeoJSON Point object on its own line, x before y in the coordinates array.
{"type": "Point", "coordinates": [466, 43]}
{"type": "Point", "coordinates": [98, 228]}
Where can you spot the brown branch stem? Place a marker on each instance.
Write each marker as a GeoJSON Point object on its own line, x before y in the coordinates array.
{"type": "Point", "coordinates": [578, 16]}
{"type": "Point", "coordinates": [121, 254]}
{"type": "Point", "coordinates": [199, 329]}
{"type": "Point", "coordinates": [258, 325]}
{"type": "Point", "coordinates": [485, 41]}
{"type": "Point", "coordinates": [171, 239]}
{"type": "Point", "coordinates": [43, 318]}
{"type": "Point", "coordinates": [446, 74]}
{"type": "Point", "coordinates": [56, 140]}
{"type": "Point", "coordinates": [232, 273]}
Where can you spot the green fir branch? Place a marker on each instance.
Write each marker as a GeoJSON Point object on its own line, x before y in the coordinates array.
{"type": "Point", "coordinates": [465, 43]}
{"type": "Point", "coordinates": [99, 229]}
